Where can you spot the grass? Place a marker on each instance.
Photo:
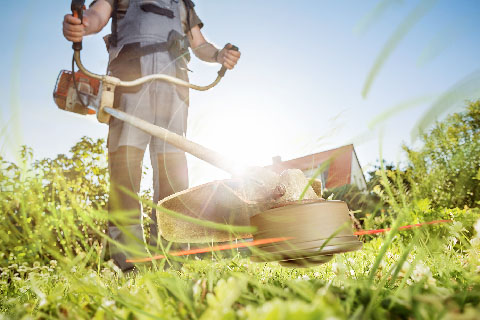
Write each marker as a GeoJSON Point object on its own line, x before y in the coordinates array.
{"type": "Point", "coordinates": [412, 281]}
{"type": "Point", "coordinates": [53, 262]}
{"type": "Point", "coordinates": [54, 266]}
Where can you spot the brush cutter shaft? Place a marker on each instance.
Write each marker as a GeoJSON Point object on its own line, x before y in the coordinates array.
{"type": "Point", "coordinates": [105, 110]}
{"type": "Point", "coordinates": [199, 151]}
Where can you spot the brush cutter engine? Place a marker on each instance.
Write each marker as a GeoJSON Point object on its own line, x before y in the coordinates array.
{"type": "Point", "coordinates": [67, 97]}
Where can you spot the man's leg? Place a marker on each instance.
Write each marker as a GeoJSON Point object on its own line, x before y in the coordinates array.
{"type": "Point", "coordinates": [124, 209]}
{"type": "Point", "coordinates": [170, 175]}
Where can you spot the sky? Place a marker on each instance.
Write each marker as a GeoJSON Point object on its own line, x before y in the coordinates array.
{"type": "Point", "coordinates": [297, 88]}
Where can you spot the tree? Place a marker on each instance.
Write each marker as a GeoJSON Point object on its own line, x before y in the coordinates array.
{"type": "Point", "coordinates": [446, 169]}
{"type": "Point", "coordinates": [83, 175]}
{"type": "Point", "coordinates": [57, 202]}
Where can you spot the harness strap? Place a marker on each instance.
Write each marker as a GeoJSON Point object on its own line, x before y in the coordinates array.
{"type": "Point", "coordinates": [176, 45]}
{"type": "Point", "coordinates": [114, 36]}
{"type": "Point", "coordinates": [133, 51]}
{"type": "Point", "coordinates": [148, 7]}
{"type": "Point", "coordinates": [189, 7]}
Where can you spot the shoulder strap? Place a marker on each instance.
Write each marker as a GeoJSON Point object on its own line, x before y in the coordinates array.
{"type": "Point", "coordinates": [113, 37]}
{"type": "Point", "coordinates": [188, 6]}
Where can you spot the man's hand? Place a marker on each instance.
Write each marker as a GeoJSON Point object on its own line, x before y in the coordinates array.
{"type": "Point", "coordinates": [73, 29]}
{"type": "Point", "coordinates": [227, 57]}
{"type": "Point", "coordinates": [94, 19]}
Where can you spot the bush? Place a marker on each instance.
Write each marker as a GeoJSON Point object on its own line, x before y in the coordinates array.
{"type": "Point", "coordinates": [53, 208]}
{"type": "Point", "coordinates": [446, 169]}
{"type": "Point", "coordinates": [362, 202]}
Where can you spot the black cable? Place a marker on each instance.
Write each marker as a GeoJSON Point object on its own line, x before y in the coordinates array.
{"type": "Point", "coordinates": [75, 83]}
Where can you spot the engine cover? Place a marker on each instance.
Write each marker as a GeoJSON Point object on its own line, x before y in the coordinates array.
{"type": "Point", "coordinates": [65, 95]}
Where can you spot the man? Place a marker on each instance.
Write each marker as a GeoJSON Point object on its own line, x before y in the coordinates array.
{"type": "Point", "coordinates": [148, 37]}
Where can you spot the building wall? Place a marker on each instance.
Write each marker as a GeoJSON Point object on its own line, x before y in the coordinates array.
{"type": "Point", "coordinates": [339, 169]}
{"type": "Point", "coordinates": [343, 167]}
{"type": "Point", "coordinates": [356, 175]}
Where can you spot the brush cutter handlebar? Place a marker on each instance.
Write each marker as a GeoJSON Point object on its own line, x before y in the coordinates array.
{"type": "Point", "coordinates": [77, 7]}
{"type": "Point", "coordinates": [109, 83]}
{"type": "Point", "coordinates": [142, 80]}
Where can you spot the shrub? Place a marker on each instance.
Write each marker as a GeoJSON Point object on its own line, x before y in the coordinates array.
{"type": "Point", "coordinates": [446, 169]}
{"type": "Point", "coordinates": [53, 208]}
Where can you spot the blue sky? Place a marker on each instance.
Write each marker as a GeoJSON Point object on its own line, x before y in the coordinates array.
{"type": "Point", "coordinates": [297, 89]}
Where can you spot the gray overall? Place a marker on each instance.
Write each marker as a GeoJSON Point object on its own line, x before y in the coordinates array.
{"type": "Point", "coordinates": [160, 103]}
{"type": "Point", "coordinates": [146, 22]}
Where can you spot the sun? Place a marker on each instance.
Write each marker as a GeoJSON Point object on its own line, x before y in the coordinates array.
{"type": "Point", "coordinates": [247, 137]}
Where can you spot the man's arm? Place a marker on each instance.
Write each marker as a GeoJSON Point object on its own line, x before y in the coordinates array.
{"type": "Point", "coordinates": [94, 19]}
{"type": "Point", "coordinates": [208, 52]}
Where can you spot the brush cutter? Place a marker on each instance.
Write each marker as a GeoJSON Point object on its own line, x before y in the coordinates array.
{"type": "Point", "coordinates": [312, 230]}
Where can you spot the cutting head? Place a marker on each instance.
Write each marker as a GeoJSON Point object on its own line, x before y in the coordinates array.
{"type": "Point", "coordinates": [229, 202]}
{"type": "Point", "coordinates": [317, 229]}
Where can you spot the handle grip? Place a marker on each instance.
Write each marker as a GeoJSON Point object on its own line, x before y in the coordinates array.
{"type": "Point", "coordinates": [77, 7]}
{"type": "Point", "coordinates": [222, 71]}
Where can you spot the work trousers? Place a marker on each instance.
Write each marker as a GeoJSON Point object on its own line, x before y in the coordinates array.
{"type": "Point", "coordinates": [170, 175]}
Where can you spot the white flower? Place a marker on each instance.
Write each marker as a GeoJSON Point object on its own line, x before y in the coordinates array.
{"type": "Point", "coordinates": [197, 289]}
{"type": "Point", "coordinates": [475, 242]}
{"type": "Point", "coordinates": [112, 265]}
{"type": "Point", "coordinates": [107, 273]}
{"type": "Point", "coordinates": [338, 268]}
{"type": "Point", "coordinates": [477, 227]}
{"type": "Point", "coordinates": [404, 269]}
{"type": "Point", "coordinates": [22, 269]}
{"type": "Point", "coordinates": [107, 303]}
{"type": "Point", "coordinates": [421, 272]}
{"type": "Point", "coordinates": [392, 256]}
{"type": "Point", "coordinates": [42, 302]}
{"type": "Point", "coordinates": [316, 274]}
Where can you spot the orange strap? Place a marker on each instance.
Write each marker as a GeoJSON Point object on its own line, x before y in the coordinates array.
{"type": "Point", "coordinates": [269, 240]}
{"type": "Point", "coordinates": [214, 248]}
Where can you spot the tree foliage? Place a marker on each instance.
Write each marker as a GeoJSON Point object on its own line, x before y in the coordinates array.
{"type": "Point", "coordinates": [446, 169]}
{"type": "Point", "coordinates": [84, 173]}
{"type": "Point", "coordinates": [53, 207]}
{"type": "Point", "coordinates": [363, 202]}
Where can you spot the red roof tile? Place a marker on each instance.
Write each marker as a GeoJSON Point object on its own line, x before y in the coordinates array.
{"type": "Point", "coordinates": [339, 169]}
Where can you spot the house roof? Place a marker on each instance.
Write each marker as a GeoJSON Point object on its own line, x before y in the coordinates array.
{"type": "Point", "coordinates": [339, 169]}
